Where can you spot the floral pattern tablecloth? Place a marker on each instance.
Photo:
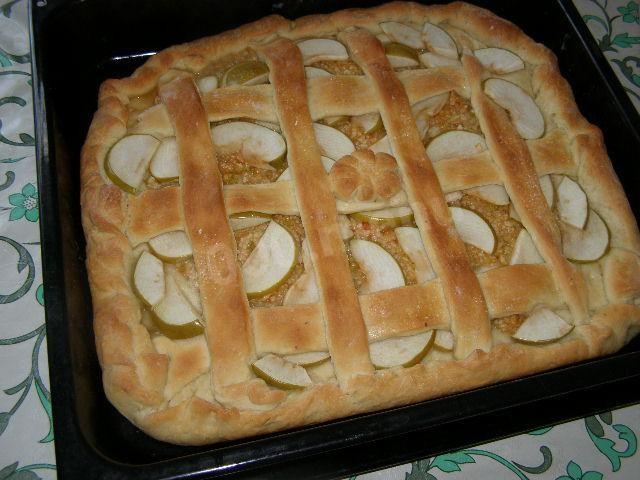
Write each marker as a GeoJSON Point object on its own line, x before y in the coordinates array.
{"type": "Point", "coordinates": [592, 448]}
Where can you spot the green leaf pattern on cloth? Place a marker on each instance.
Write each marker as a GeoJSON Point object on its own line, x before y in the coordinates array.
{"type": "Point", "coordinates": [25, 204]}
{"type": "Point", "coordinates": [616, 26]}
{"type": "Point", "coordinates": [630, 13]}
{"type": "Point", "coordinates": [606, 446]}
{"type": "Point", "coordinates": [597, 457]}
{"type": "Point", "coordinates": [26, 428]}
{"type": "Point", "coordinates": [574, 472]}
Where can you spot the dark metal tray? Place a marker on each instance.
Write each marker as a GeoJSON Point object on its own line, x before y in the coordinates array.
{"type": "Point", "coordinates": [78, 44]}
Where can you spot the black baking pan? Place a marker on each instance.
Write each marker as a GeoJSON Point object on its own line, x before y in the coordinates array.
{"type": "Point", "coordinates": [78, 44]}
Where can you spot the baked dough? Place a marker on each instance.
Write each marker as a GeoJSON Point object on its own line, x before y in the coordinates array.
{"type": "Point", "coordinates": [202, 389]}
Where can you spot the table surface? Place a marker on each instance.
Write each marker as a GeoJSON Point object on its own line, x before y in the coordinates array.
{"type": "Point", "coordinates": [588, 449]}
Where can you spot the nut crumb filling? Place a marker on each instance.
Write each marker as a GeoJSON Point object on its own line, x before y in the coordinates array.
{"type": "Point", "coordinates": [456, 114]}
{"type": "Point", "coordinates": [339, 67]}
{"type": "Point", "coordinates": [356, 133]}
{"type": "Point", "coordinates": [505, 228]}
{"type": "Point", "coordinates": [509, 324]}
{"type": "Point", "coordinates": [235, 170]}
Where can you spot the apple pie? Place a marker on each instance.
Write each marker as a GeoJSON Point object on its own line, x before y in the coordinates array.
{"type": "Point", "coordinates": [297, 221]}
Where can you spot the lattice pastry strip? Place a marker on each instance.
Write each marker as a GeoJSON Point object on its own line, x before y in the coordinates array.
{"type": "Point", "coordinates": [225, 304]}
{"type": "Point", "coordinates": [198, 390]}
{"type": "Point", "coordinates": [464, 298]}
{"type": "Point", "coordinates": [522, 184]}
{"type": "Point", "coordinates": [345, 328]}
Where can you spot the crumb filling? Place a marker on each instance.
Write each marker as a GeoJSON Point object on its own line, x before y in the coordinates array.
{"type": "Point", "coordinates": [509, 324]}
{"type": "Point", "coordinates": [356, 133]}
{"type": "Point", "coordinates": [339, 67]}
{"type": "Point", "coordinates": [456, 114]}
{"type": "Point", "coordinates": [235, 170]}
{"type": "Point", "coordinates": [505, 228]}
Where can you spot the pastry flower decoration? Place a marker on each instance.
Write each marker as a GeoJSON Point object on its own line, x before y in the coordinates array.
{"type": "Point", "coordinates": [365, 176]}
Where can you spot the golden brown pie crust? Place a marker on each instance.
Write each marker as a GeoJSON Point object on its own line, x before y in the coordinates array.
{"type": "Point", "coordinates": [202, 390]}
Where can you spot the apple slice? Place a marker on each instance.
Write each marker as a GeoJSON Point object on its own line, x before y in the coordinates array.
{"type": "Point", "coordinates": [400, 55]}
{"type": "Point", "coordinates": [281, 373]}
{"type": "Point", "coordinates": [392, 217]}
{"type": "Point", "coordinates": [499, 60]}
{"type": "Point", "coordinates": [473, 229]}
{"type": "Point", "coordinates": [433, 60]}
{"type": "Point", "coordinates": [444, 341]}
{"type": "Point", "coordinates": [542, 326]}
{"type": "Point", "coordinates": [185, 287]}
{"type": "Point", "coordinates": [524, 250]}
{"type": "Point", "coordinates": [438, 41]}
{"type": "Point", "coordinates": [174, 315]}
{"type": "Point", "coordinates": [383, 145]}
{"type": "Point", "coordinates": [327, 163]}
{"type": "Point", "coordinates": [383, 37]}
{"type": "Point", "coordinates": [241, 220]}
{"type": "Point", "coordinates": [453, 196]}
{"type": "Point", "coordinates": [556, 178]}
{"type": "Point", "coordinates": [547, 189]}
{"type": "Point", "coordinates": [430, 105]}
{"type": "Point", "coordinates": [270, 125]}
{"type": "Point", "coordinates": [588, 244]}
{"type": "Point", "coordinates": [401, 351]}
{"type": "Point", "coordinates": [368, 122]}
{"type": "Point", "coordinates": [171, 246]}
{"type": "Point", "coordinates": [207, 84]}
{"type": "Point", "coordinates": [573, 207]}
{"type": "Point", "coordinates": [423, 109]}
{"type": "Point", "coordinates": [304, 290]}
{"type": "Point", "coordinates": [334, 120]}
{"type": "Point", "coordinates": [153, 121]}
{"type": "Point", "coordinates": [514, 214]}
{"type": "Point", "coordinates": [319, 49]}
{"type": "Point", "coordinates": [455, 143]}
{"type": "Point", "coordinates": [495, 194]}
{"type": "Point", "coordinates": [308, 359]}
{"type": "Point", "coordinates": [411, 242]}
{"type": "Point", "coordinates": [346, 233]}
{"type": "Point", "coordinates": [401, 33]}
{"type": "Point", "coordinates": [332, 142]}
{"type": "Point", "coordinates": [165, 165]}
{"type": "Point", "coordinates": [128, 160]}
{"type": "Point", "coordinates": [380, 268]}
{"type": "Point", "coordinates": [271, 263]}
{"type": "Point", "coordinates": [422, 124]}
{"type": "Point", "coordinates": [315, 72]}
{"type": "Point", "coordinates": [524, 112]}
{"type": "Point", "coordinates": [258, 145]}
{"type": "Point", "coordinates": [172, 74]}
{"type": "Point", "coordinates": [246, 73]}
{"type": "Point", "coordinates": [148, 279]}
